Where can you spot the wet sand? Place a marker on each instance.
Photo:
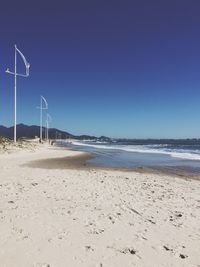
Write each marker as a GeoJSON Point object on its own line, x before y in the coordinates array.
{"type": "Point", "coordinates": [70, 162]}
{"type": "Point", "coordinates": [178, 172]}
{"type": "Point", "coordinates": [81, 162]}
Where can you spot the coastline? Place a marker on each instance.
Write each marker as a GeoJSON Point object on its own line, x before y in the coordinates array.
{"type": "Point", "coordinates": [79, 161]}
{"type": "Point", "coordinates": [87, 216]}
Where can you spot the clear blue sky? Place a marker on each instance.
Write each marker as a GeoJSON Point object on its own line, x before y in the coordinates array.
{"type": "Point", "coordinates": [115, 68]}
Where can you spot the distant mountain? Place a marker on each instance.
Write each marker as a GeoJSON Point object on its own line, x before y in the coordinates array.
{"type": "Point", "coordinates": [34, 130]}
{"type": "Point", "coordinates": [4, 131]}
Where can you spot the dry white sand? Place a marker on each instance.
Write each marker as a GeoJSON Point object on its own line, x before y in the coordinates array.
{"type": "Point", "coordinates": [60, 217]}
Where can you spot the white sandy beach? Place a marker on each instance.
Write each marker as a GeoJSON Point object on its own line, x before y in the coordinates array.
{"type": "Point", "coordinates": [71, 217]}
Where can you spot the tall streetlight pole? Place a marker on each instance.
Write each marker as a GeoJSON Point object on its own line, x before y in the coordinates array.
{"type": "Point", "coordinates": [48, 120]}
{"type": "Point", "coordinates": [43, 105]}
{"type": "Point", "coordinates": [27, 66]}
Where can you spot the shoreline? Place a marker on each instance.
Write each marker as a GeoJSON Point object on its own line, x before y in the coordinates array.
{"type": "Point", "coordinates": [79, 161]}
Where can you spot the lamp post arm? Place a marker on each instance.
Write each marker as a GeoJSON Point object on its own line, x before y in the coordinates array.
{"type": "Point", "coordinates": [45, 102]}
{"type": "Point", "coordinates": [27, 65]}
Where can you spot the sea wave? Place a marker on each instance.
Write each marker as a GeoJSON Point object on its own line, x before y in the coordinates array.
{"type": "Point", "coordinates": [153, 149]}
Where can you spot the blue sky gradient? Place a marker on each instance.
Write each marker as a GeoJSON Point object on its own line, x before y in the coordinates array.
{"type": "Point", "coordinates": [116, 68]}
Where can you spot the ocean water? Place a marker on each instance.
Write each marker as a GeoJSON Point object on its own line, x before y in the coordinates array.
{"type": "Point", "coordinates": [183, 154]}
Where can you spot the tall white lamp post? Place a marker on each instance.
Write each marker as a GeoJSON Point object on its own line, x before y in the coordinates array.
{"type": "Point", "coordinates": [27, 66]}
{"type": "Point", "coordinates": [43, 105]}
{"type": "Point", "coordinates": [48, 120]}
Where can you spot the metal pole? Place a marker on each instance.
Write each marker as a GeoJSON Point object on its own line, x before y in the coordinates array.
{"type": "Point", "coordinates": [15, 99]}
{"type": "Point", "coordinates": [47, 129]}
{"type": "Point", "coordinates": [27, 66]}
{"type": "Point", "coordinates": [41, 118]}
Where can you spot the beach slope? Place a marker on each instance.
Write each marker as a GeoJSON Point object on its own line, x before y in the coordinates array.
{"type": "Point", "coordinates": [58, 217]}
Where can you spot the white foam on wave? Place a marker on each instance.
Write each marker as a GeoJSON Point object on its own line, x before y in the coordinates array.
{"type": "Point", "coordinates": [144, 149]}
{"type": "Point", "coordinates": [183, 155]}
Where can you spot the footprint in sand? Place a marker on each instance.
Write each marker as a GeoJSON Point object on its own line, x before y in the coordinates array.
{"type": "Point", "coordinates": [131, 251]}
{"type": "Point", "coordinates": [182, 256]}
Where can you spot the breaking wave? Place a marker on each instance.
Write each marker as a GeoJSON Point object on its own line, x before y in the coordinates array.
{"type": "Point", "coordinates": [150, 149]}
